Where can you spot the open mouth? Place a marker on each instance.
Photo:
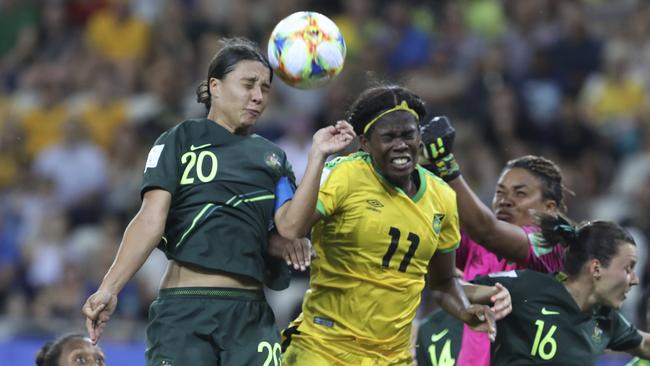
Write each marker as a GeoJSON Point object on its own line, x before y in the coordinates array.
{"type": "Point", "coordinates": [401, 162]}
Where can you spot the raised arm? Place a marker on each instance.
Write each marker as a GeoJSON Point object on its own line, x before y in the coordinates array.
{"type": "Point", "coordinates": [139, 240]}
{"type": "Point", "coordinates": [502, 238]}
{"type": "Point", "coordinates": [294, 218]}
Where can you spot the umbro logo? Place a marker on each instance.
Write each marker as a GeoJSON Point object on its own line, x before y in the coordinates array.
{"type": "Point", "coordinates": [374, 205]}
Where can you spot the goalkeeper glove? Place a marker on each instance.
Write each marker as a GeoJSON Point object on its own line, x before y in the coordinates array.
{"type": "Point", "coordinates": [436, 150]}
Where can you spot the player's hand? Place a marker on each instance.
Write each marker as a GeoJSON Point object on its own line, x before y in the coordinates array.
{"type": "Point", "coordinates": [98, 310]}
{"type": "Point", "coordinates": [332, 139]}
{"type": "Point", "coordinates": [299, 253]}
{"type": "Point", "coordinates": [296, 253]}
{"type": "Point", "coordinates": [501, 302]}
{"type": "Point", "coordinates": [481, 318]}
{"type": "Point", "coordinates": [436, 149]}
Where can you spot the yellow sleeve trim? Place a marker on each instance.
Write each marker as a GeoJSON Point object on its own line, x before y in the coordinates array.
{"type": "Point", "coordinates": [450, 249]}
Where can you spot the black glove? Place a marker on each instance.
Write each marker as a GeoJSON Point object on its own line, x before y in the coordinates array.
{"type": "Point", "coordinates": [436, 151]}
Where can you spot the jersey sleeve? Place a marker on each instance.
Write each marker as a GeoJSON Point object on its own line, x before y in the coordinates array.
{"type": "Point", "coordinates": [509, 279]}
{"type": "Point", "coordinates": [625, 336]}
{"type": "Point", "coordinates": [286, 185]}
{"type": "Point", "coordinates": [334, 188]}
{"type": "Point", "coordinates": [161, 169]}
{"type": "Point", "coordinates": [540, 258]}
{"type": "Point", "coordinates": [449, 232]}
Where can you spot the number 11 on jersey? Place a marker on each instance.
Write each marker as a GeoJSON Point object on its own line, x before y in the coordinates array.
{"type": "Point", "coordinates": [392, 248]}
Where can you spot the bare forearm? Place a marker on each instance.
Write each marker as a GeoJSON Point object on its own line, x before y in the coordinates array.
{"type": "Point", "coordinates": [475, 217]}
{"type": "Point", "coordinates": [296, 215]}
{"type": "Point", "coordinates": [450, 296]}
{"type": "Point", "coordinates": [478, 294]}
{"type": "Point", "coordinates": [502, 238]}
{"type": "Point", "coordinates": [140, 239]}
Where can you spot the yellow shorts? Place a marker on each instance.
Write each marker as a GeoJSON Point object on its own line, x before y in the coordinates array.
{"type": "Point", "coordinates": [309, 350]}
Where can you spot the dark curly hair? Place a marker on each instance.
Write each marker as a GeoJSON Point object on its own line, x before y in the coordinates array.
{"type": "Point", "coordinates": [233, 51]}
{"type": "Point", "coordinates": [375, 100]}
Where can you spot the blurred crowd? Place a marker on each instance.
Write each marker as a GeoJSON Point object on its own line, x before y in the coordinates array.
{"type": "Point", "coordinates": [87, 85]}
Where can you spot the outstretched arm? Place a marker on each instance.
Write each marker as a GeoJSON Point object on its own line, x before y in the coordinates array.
{"type": "Point", "coordinates": [502, 238]}
{"type": "Point", "coordinates": [140, 239]}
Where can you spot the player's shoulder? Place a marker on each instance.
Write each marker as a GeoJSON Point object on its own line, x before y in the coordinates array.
{"type": "Point", "coordinates": [435, 182]}
{"type": "Point", "coordinates": [352, 160]}
{"type": "Point", "coordinates": [187, 127]}
{"type": "Point", "coordinates": [352, 165]}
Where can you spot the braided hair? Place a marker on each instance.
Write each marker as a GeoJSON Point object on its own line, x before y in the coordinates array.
{"type": "Point", "coordinates": [233, 51]}
{"type": "Point", "coordinates": [588, 240]}
{"type": "Point", "coordinates": [375, 100]}
{"type": "Point", "coordinates": [548, 173]}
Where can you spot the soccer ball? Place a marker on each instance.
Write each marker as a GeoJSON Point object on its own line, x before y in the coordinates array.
{"type": "Point", "coordinates": [306, 50]}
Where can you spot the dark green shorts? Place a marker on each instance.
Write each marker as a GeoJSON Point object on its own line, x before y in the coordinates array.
{"type": "Point", "coordinates": [212, 326]}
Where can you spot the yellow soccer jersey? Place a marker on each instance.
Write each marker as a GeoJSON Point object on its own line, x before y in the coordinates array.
{"type": "Point", "coordinates": [373, 248]}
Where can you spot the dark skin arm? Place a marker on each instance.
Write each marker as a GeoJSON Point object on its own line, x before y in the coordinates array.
{"type": "Point", "coordinates": [501, 238]}
{"type": "Point", "coordinates": [452, 298]}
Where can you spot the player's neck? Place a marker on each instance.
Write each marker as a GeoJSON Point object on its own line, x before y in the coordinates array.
{"type": "Point", "coordinates": [582, 293]}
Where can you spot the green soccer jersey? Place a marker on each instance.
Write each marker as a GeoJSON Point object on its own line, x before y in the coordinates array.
{"type": "Point", "coordinates": [224, 188]}
{"type": "Point", "coordinates": [546, 327]}
{"type": "Point", "coordinates": [442, 334]}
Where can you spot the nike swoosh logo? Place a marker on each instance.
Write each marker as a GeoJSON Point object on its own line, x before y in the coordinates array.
{"type": "Point", "coordinates": [193, 148]}
{"type": "Point", "coordinates": [549, 312]}
{"type": "Point", "coordinates": [436, 337]}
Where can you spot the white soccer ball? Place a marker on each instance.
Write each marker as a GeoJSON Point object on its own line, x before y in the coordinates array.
{"type": "Point", "coordinates": [306, 50]}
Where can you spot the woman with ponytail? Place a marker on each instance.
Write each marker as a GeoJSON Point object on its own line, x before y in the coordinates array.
{"type": "Point", "coordinates": [211, 192]}
{"type": "Point", "coordinates": [571, 317]}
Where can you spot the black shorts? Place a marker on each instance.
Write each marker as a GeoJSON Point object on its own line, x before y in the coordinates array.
{"type": "Point", "coordinates": [212, 326]}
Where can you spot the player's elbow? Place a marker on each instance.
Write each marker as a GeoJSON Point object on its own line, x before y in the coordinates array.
{"type": "Point", "coordinates": [290, 231]}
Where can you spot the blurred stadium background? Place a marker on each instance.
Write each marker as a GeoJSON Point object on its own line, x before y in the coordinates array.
{"type": "Point", "coordinates": [87, 85]}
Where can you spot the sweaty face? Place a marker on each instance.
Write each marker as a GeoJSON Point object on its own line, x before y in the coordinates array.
{"type": "Point", "coordinates": [518, 196]}
{"type": "Point", "coordinates": [241, 96]}
{"type": "Point", "coordinates": [618, 278]}
{"type": "Point", "coordinates": [81, 352]}
{"type": "Point", "coordinates": [393, 143]}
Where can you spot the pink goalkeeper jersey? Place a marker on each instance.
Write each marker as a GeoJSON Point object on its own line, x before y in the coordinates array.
{"type": "Point", "coordinates": [475, 261]}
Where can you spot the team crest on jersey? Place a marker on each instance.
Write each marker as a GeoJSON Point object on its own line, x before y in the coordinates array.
{"type": "Point", "coordinates": [272, 160]}
{"type": "Point", "coordinates": [596, 335]}
{"type": "Point", "coordinates": [437, 222]}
